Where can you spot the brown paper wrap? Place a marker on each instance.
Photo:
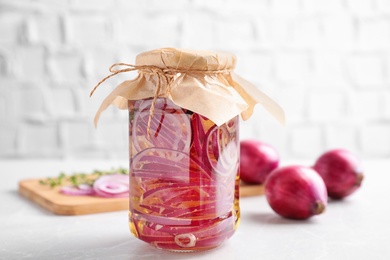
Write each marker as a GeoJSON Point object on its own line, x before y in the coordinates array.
{"type": "Point", "coordinates": [201, 81]}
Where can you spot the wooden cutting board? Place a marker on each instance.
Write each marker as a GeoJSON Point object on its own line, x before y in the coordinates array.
{"type": "Point", "coordinates": [60, 204]}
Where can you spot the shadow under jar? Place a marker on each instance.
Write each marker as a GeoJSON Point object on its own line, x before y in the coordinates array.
{"type": "Point", "coordinates": [183, 177]}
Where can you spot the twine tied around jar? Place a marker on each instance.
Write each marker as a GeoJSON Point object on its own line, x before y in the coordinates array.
{"type": "Point", "coordinates": [164, 74]}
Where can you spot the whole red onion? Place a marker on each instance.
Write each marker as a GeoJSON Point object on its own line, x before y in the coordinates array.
{"type": "Point", "coordinates": [296, 192]}
{"type": "Point", "coordinates": [257, 160]}
{"type": "Point", "coordinates": [341, 171]}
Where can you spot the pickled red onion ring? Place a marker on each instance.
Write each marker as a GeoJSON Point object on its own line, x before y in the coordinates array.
{"type": "Point", "coordinates": [166, 164]}
{"type": "Point", "coordinates": [170, 127]}
{"type": "Point", "coordinates": [185, 240]}
{"type": "Point", "coordinates": [220, 151]}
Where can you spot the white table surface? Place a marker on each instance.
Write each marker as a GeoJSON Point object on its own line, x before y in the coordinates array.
{"type": "Point", "coordinates": [355, 228]}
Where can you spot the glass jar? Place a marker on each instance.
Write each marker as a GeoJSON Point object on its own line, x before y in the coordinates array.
{"type": "Point", "coordinates": [184, 176]}
{"type": "Point", "coordinates": [184, 146]}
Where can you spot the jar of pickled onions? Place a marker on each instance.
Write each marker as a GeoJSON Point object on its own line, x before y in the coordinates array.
{"type": "Point", "coordinates": [184, 109]}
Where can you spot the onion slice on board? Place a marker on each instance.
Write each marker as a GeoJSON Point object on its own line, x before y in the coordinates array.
{"type": "Point", "coordinates": [112, 186]}
{"type": "Point", "coordinates": [80, 190]}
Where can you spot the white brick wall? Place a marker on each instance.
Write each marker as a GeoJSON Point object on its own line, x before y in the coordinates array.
{"type": "Point", "coordinates": [325, 61]}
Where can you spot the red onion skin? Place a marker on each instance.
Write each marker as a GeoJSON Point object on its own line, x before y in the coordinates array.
{"type": "Point", "coordinates": [296, 192]}
{"type": "Point", "coordinates": [341, 171]}
{"type": "Point", "coordinates": [257, 160]}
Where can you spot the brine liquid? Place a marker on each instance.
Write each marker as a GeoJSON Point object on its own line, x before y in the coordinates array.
{"type": "Point", "coordinates": [183, 177]}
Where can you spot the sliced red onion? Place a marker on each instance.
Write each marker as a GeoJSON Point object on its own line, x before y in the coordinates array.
{"type": "Point", "coordinates": [198, 133]}
{"type": "Point", "coordinates": [185, 240]}
{"type": "Point", "coordinates": [166, 165]}
{"type": "Point", "coordinates": [221, 151]}
{"type": "Point", "coordinates": [184, 174]}
{"type": "Point", "coordinates": [170, 127]}
{"type": "Point", "coordinates": [81, 190]}
{"type": "Point", "coordinates": [112, 186]}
